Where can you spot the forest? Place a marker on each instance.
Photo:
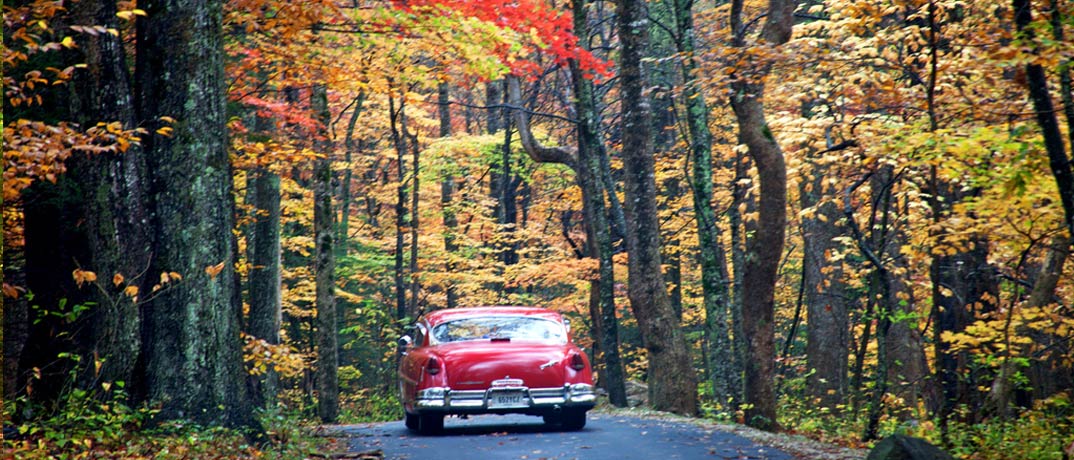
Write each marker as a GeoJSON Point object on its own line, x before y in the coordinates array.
{"type": "Point", "coordinates": [843, 219]}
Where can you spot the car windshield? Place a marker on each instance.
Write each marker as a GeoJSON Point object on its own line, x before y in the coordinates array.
{"type": "Point", "coordinates": [500, 327]}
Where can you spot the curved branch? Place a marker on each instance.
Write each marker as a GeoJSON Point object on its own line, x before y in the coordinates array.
{"type": "Point", "coordinates": [539, 153]}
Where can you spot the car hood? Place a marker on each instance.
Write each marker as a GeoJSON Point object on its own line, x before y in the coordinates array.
{"type": "Point", "coordinates": [474, 365]}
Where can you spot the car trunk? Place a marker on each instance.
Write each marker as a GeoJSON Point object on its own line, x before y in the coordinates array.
{"type": "Point", "coordinates": [474, 365]}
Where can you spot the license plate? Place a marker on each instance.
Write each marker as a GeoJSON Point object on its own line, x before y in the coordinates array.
{"type": "Point", "coordinates": [507, 399]}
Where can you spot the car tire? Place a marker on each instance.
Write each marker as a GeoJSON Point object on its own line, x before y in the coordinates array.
{"type": "Point", "coordinates": [411, 421]}
{"type": "Point", "coordinates": [572, 420]}
{"type": "Point", "coordinates": [429, 424]}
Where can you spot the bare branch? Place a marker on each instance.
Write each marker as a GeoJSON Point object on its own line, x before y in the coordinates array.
{"type": "Point", "coordinates": [536, 151]}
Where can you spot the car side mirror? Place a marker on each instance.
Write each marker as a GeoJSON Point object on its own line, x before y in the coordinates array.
{"type": "Point", "coordinates": [403, 343]}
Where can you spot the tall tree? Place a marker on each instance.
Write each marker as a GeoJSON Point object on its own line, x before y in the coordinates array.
{"type": "Point", "coordinates": [325, 267]}
{"type": "Point", "coordinates": [722, 369]}
{"type": "Point", "coordinates": [399, 141]}
{"type": "Point", "coordinates": [765, 249]}
{"type": "Point", "coordinates": [192, 353]}
{"type": "Point", "coordinates": [823, 290]}
{"type": "Point", "coordinates": [671, 377]}
{"type": "Point", "coordinates": [91, 219]}
{"type": "Point", "coordinates": [265, 317]}
{"type": "Point", "coordinates": [447, 191]}
{"type": "Point", "coordinates": [585, 162]}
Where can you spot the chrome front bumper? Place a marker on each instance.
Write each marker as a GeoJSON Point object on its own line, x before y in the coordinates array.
{"type": "Point", "coordinates": [440, 399]}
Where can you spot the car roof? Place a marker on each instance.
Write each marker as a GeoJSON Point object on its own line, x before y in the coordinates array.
{"type": "Point", "coordinates": [440, 316]}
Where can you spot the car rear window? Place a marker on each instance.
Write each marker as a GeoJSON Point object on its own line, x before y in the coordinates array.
{"type": "Point", "coordinates": [521, 328]}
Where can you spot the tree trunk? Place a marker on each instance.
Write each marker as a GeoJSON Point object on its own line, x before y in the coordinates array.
{"type": "Point", "coordinates": [1037, 83]}
{"type": "Point", "coordinates": [325, 267]}
{"type": "Point", "coordinates": [115, 211]}
{"type": "Point", "coordinates": [765, 249]}
{"type": "Point", "coordinates": [265, 317]}
{"type": "Point", "coordinates": [350, 146]}
{"type": "Point", "coordinates": [713, 260]}
{"type": "Point", "coordinates": [589, 171]}
{"type": "Point", "coordinates": [447, 190]}
{"type": "Point", "coordinates": [398, 130]}
{"type": "Point", "coordinates": [671, 377]}
{"type": "Point", "coordinates": [824, 293]}
{"type": "Point", "coordinates": [508, 200]}
{"type": "Point", "coordinates": [413, 308]}
{"type": "Point", "coordinates": [192, 353]}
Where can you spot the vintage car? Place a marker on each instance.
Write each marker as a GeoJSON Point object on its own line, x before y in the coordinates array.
{"type": "Point", "coordinates": [493, 360]}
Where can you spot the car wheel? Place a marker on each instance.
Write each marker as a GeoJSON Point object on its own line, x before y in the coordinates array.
{"type": "Point", "coordinates": [411, 421]}
{"type": "Point", "coordinates": [430, 423]}
{"type": "Point", "coordinates": [573, 420]}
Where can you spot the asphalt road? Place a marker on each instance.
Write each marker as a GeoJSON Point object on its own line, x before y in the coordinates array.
{"type": "Point", "coordinates": [518, 437]}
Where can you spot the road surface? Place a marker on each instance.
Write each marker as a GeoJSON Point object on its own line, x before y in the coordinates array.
{"type": "Point", "coordinates": [518, 437]}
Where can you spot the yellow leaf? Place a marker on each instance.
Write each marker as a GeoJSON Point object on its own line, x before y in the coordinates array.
{"type": "Point", "coordinates": [131, 291]}
{"type": "Point", "coordinates": [165, 131]}
{"type": "Point", "coordinates": [164, 278]}
{"type": "Point", "coordinates": [117, 279]}
{"type": "Point", "coordinates": [175, 276]}
{"type": "Point", "coordinates": [68, 42]}
{"type": "Point", "coordinates": [125, 15]}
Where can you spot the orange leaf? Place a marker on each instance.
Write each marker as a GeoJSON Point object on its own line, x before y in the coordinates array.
{"type": "Point", "coordinates": [117, 279]}
{"type": "Point", "coordinates": [82, 276]}
{"type": "Point", "coordinates": [11, 291]}
{"type": "Point", "coordinates": [214, 270]}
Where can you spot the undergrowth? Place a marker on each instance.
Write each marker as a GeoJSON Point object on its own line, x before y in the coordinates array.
{"type": "Point", "coordinates": [89, 428]}
{"type": "Point", "coordinates": [1042, 432]}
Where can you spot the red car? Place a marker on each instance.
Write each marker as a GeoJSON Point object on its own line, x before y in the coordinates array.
{"type": "Point", "coordinates": [493, 360]}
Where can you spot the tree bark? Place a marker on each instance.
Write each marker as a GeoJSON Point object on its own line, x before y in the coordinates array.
{"type": "Point", "coordinates": [447, 190]}
{"type": "Point", "coordinates": [192, 353]}
{"type": "Point", "coordinates": [589, 173]}
{"type": "Point", "coordinates": [265, 317]}
{"type": "Point", "coordinates": [350, 147]}
{"type": "Point", "coordinates": [398, 130]}
{"type": "Point", "coordinates": [325, 266]}
{"type": "Point", "coordinates": [765, 249]}
{"type": "Point", "coordinates": [671, 377]}
{"type": "Point", "coordinates": [712, 257]}
{"type": "Point", "coordinates": [413, 308]}
{"type": "Point", "coordinates": [1037, 86]}
{"type": "Point", "coordinates": [824, 293]}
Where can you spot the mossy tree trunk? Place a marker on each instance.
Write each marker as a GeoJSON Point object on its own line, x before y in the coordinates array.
{"type": "Point", "coordinates": [722, 369]}
{"type": "Point", "coordinates": [590, 153]}
{"type": "Point", "coordinates": [192, 357]}
{"type": "Point", "coordinates": [327, 379]}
